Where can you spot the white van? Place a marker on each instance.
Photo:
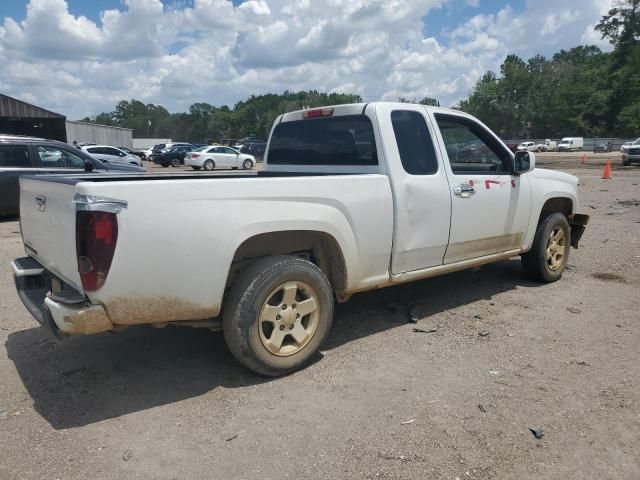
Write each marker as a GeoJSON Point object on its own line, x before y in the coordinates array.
{"type": "Point", "coordinates": [571, 144]}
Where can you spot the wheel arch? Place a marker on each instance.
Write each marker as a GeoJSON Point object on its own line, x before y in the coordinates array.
{"type": "Point", "coordinates": [319, 247]}
{"type": "Point", "coordinates": [561, 202]}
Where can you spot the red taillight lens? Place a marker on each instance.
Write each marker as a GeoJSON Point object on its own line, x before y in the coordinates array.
{"type": "Point", "coordinates": [195, 155]}
{"type": "Point", "coordinates": [96, 237]}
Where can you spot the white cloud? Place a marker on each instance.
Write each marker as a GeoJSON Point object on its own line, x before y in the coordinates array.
{"type": "Point", "coordinates": [211, 51]}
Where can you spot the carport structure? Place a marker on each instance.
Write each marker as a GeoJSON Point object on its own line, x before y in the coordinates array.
{"type": "Point", "coordinates": [22, 118]}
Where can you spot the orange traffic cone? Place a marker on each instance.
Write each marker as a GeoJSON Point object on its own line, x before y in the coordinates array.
{"type": "Point", "coordinates": [606, 175]}
{"type": "Point", "coordinates": [584, 159]}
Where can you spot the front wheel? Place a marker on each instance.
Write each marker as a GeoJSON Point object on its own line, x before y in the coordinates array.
{"type": "Point", "coordinates": [209, 165]}
{"type": "Point", "coordinates": [175, 162]}
{"type": "Point", "coordinates": [626, 162]}
{"type": "Point", "coordinates": [277, 314]}
{"type": "Point", "coordinates": [247, 164]}
{"type": "Point", "coordinates": [548, 257]}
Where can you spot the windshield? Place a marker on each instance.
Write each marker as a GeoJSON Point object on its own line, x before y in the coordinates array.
{"type": "Point", "coordinates": [636, 141]}
{"type": "Point", "coordinates": [343, 140]}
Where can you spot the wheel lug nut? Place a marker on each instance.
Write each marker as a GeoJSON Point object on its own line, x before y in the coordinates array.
{"type": "Point", "coordinates": [297, 315]}
{"type": "Point", "coordinates": [293, 306]}
{"type": "Point", "coordinates": [281, 327]}
{"type": "Point", "coordinates": [290, 327]}
{"type": "Point", "coordinates": [284, 307]}
{"type": "Point", "coordinates": [278, 317]}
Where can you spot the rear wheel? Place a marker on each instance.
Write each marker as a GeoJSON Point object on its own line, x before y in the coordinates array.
{"type": "Point", "coordinates": [209, 165]}
{"type": "Point", "coordinates": [175, 162]}
{"type": "Point", "coordinates": [247, 164]}
{"type": "Point", "coordinates": [548, 257]}
{"type": "Point", "coordinates": [277, 314]}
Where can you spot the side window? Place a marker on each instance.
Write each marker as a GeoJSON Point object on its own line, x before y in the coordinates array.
{"type": "Point", "coordinates": [414, 142]}
{"type": "Point", "coordinates": [230, 151]}
{"type": "Point", "coordinates": [114, 152]}
{"type": "Point", "coordinates": [471, 150]}
{"type": "Point", "coordinates": [97, 150]}
{"type": "Point", "coordinates": [55, 157]}
{"type": "Point", "coordinates": [14, 156]}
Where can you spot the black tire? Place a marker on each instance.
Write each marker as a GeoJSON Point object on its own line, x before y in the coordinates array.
{"type": "Point", "coordinates": [247, 164]}
{"type": "Point", "coordinates": [165, 165]}
{"type": "Point", "coordinates": [209, 165]}
{"type": "Point", "coordinates": [245, 301]}
{"type": "Point", "coordinates": [626, 162]}
{"type": "Point", "coordinates": [534, 262]}
{"type": "Point", "coordinates": [195, 168]}
{"type": "Point", "coordinates": [175, 162]}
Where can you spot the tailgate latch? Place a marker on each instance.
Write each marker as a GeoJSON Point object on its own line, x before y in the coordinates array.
{"type": "Point", "coordinates": [41, 202]}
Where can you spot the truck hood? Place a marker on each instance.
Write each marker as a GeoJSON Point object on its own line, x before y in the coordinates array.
{"type": "Point", "coordinates": [545, 174]}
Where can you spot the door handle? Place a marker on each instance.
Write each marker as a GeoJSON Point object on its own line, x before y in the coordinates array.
{"type": "Point", "coordinates": [464, 190]}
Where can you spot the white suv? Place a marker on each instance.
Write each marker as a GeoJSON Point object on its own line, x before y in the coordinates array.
{"type": "Point", "coordinates": [107, 153]}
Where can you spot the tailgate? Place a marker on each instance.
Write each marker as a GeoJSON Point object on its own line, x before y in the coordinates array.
{"type": "Point", "coordinates": [48, 224]}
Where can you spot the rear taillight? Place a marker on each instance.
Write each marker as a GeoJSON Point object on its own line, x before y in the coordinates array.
{"type": "Point", "coordinates": [194, 155]}
{"type": "Point", "coordinates": [96, 237]}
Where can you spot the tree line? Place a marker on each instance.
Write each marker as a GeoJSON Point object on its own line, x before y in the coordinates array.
{"type": "Point", "coordinates": [582, 91]}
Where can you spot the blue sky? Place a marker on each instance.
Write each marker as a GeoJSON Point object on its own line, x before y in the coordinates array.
{"type": "Point", "coordinates": [80, 57]}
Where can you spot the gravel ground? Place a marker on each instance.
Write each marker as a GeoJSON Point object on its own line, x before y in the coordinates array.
{"type": "Point", "coordinates": [382, 401]}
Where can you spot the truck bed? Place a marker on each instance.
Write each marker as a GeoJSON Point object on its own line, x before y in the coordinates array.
{"type": "Point", "coordinates": [178, 234]}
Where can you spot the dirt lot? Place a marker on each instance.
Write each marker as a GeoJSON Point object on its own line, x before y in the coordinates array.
{"type": "Point", "coordinates": [504, 355]}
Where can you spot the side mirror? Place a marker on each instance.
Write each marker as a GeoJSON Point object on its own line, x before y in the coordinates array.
{"type": "Point", "coordinates": [524, 161]}
{"type": "Point", "coordinates": [88, 166]}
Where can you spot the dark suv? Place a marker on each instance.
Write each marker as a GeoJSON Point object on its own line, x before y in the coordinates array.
{"type": "Point", "coordinates": [256, 149]}
{"type": "Point", "coordinates": [32, 156]}
{"type": "Point", "coordinates": [173, 156]}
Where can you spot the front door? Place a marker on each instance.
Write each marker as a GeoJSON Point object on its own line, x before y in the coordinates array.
{"type": "Point", "coordinates": [54, 159]}
{"type": "Point", "coordinates": [490, 205]}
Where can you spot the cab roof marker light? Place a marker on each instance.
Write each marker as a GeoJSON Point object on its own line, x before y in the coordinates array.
{"type": "Point", "coordinates": [317, 113]}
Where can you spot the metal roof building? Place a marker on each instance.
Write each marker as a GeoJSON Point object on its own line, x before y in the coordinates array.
{"type": "Point", "coordinates": [21, 118]}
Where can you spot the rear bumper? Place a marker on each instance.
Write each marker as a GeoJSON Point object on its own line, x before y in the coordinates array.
{"type": "Point", "coordinates": [63, 313]}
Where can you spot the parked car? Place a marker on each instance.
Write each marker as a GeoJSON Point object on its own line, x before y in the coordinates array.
{"type": "Point", "coordinates": [262, 257]}
{"type": "Point", "coordinates": [35, 156]}
{"type": "Point", "coordinates": [529, 147]}
{"type": "Point", "coordinates": [255, 149]}
{"type": "Point", "coordinates": [173, 156]}
{"type": "Point", "coordinates": [549, 146]}
{"type": "Point", "coordinates": [107, 153]}
{"type": "Point", "coordinates": [626, 145]}
{"type": "Point", "coordinates": [631, 153]}
{"type": "Point", "coordinates": [571, 144]}
{"type": "Point", "coordinates": [602, 147]}
{"type": "Point", "coordinates": [138, 153]}
{"type": "Point", "coordinates": [217, 156]}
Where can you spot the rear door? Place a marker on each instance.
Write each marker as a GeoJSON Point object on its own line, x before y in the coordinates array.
{"type": "Point", "coordinates": [490, 205]}
{"type": "Point", "coordinates": [14, 162]}
{"type": "Point", "coordinates": [422, 203]}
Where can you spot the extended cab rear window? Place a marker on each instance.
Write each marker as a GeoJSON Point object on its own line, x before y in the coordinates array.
{"type": "Point", "coordinates": [342, 140]}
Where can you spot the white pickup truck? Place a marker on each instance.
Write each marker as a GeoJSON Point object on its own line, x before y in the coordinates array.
{"type": "Point", "coordinates": [352, 198]}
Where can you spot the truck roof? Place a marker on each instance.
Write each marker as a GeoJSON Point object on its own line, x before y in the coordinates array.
{"type": "Point", "coordinates": [358, 109]}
